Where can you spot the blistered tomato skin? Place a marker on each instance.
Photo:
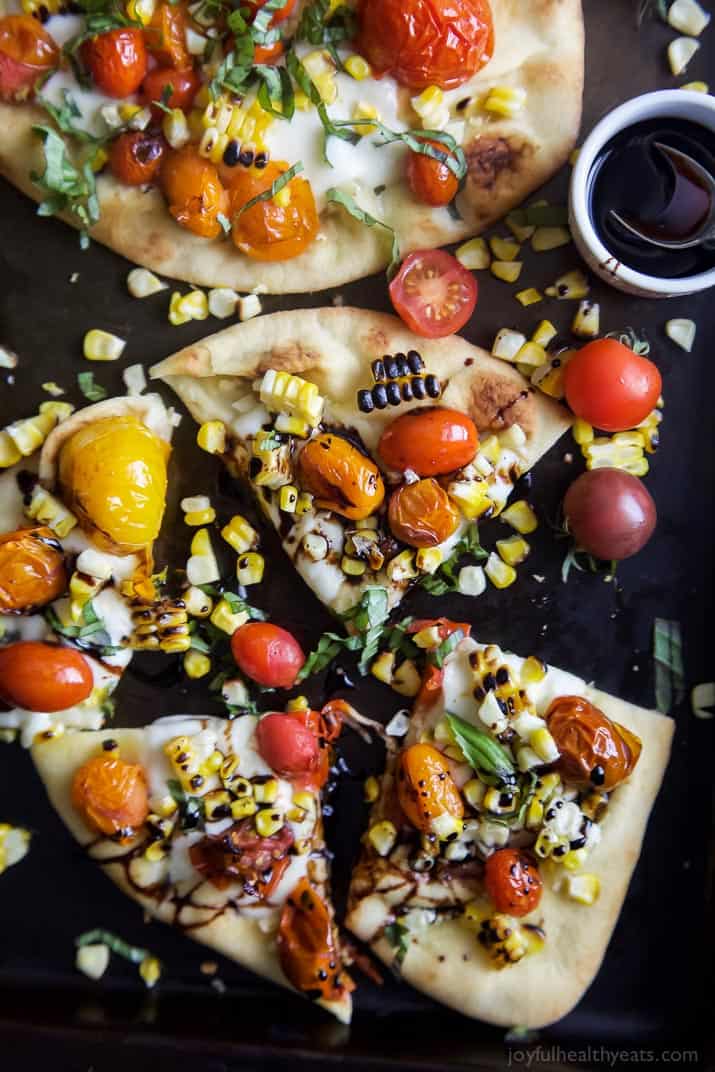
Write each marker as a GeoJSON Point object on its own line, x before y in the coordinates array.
{"type": "Point", "coordinates": [112, 796]}
{"type": "Point", "coordinates": [27, 52]}
{"type": "Point", "coordinates": [513, 882]}
{"type": "Point", "coordinates": [431, 442]}
{"type": "Point", "coordinates": [43, 677]}
{"type": "Point", "coordinates": [135, 157]}
{"type": "Point", "coordinates": [594, 750]}
{"type": "Point", "coordinates": [278, 228]}
{"type": "Point", "coordinates": [341, 478]}
{"type": "Point", "coordinates": [117, 61]}
{"type": "Point", "coordinates": [32, 570]}
{"type": "Point", "coordinates": [194, 192]}
{"type": "Point", "coordinates": [422, 514]}
{"type": "Point", "coordinates": [166, 36]}
{"type": "Point", "coordinates": [267, 654]}
{"type": "Point", "coordinates": [306, 945]}
{"type": "Point", "coordinates": [610, 386]}
{"type": "Point", "coordinates": [610, 513]}
{"type": "Point", "coordinates": [184, 86]}
{"type": "Point", "coordinates": [287, 745]}
{"type": "Point", "coordinates": [431, 181]}
{"type": "Point", "coordinates": [433, 293]}
{"type": "Point", "coordinates": [425, 786]}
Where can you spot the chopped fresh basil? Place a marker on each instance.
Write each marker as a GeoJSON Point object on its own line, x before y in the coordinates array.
{"type": "Point", "coordinates": [275, 187]}
{"type": "Point", "coordinates": [397, 639]}
{"type": "Point", "coordinates": [275, 94]}
{"type": "Point", "coordinates": [439, 654]}
{"type": "Point", "coordinates": [108, 707]}
{"type": "Point", "coordinates": [396, 934]}
{"type": "Point", "coordinates": [340, 197]}
{"type": "Point", "coordinates": [482, 752]}
{"type": "Point", "coordinates": [91, 624]}
{"type": "Point", "coordinates": [240, 606]}
{"type": "Point", "coordinates": [368, 619]}
{"type": "Point", "coordinates": [319, 25]}
{"type": "Point", "coordinates": [446, 577]}
{"type": "Point", "coordinates": [70, 188]}
{"type": "Point", "coordinates": [262, 20]}
{"type": "Point", "coordinates": [93, 392]}
{"type": "Point", "coordinates": [64, 116]}
{"type": "Point", "coordinates": [584, 562]}
{"type": "Point", "coordinates": [133, 953]}
{"type": "Point", "coordinates": [329, 646]}
{"type": "Point", "coordinates": [192, 810]}
{"type": "Point", "coordinates": [199, 644]}
{"type": "Point", "coordinates": [668, 660]}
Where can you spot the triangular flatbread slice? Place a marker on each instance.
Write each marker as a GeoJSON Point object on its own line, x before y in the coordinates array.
{"type": "Point", "coordinates": [189, 820]}
{"type": "Point", "coordinates": [425, 901]}
{"type": "Point", "coordinates": [236, 377]}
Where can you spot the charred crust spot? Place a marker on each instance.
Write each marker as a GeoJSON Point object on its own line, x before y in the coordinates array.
{"type": "Point", "coordinates": [489, 156]}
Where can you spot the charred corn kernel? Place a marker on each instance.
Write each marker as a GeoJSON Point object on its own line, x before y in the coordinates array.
{"type": "Point", "coordinates": [292, 426]}
{"type": "Point", "coordinates": [547, 238]}
{"type": "Point", "coordinates": [265, 792]}
{"type": "Point", "coordinates": [9, 454]}
{"type": "Point", "coordinates": [383, 667]}
{"type": "Point", "coordinates": [513, 549]}
{"type": "Point", "coordinates": [544, 334]}
{"type": "Point", "coordinates": [582, 432]}
{"type": "Point", "coordinates": [240, 787]}
{"type": "Point", "coordinates": [382, 836]}
{"type": "Point", "coordinates": [574, 859]}
{"type": "Point", "coordinates": [150, 971]}
{"type": "Point", "coordinates": [471, 496]}
{"type": "Point", "coordinates": [549, 785]}
{"type": "Point", "coordinates": [474, 254]}
{"type": "Point", "coordinates": [224, 618]}
{"type": "Point", "coordinates": [520, 516]}
{"type": "Point", "coordinates": [492, 802]}
{"type": "Point", "coordinates": [474, 791]}
{"type": "Point", "coordinates": [217, 804]}
{"type": "Point", "coordinates": [181, 754]}
{"type": "Point", "coordinates": [371, 789]}
{"type": "Point", "coordinates": [402, 567]}
{"type": "Point", "coordinates": [211, 437]}
{"type": "Point", "coordinates": [212, 140]}
{"type": "Point", "coordinates": [250, 568]}
{"type": "Point", "coordinates": [428, 559]}
{"type": "Point", "coordinates": [364, 110]}
{"type": "Point", "coordinates": [243, 808]}
{"type": "Point", "coordinates": [587, 322]}
{"type": "Point", "coordinates": [573, 286]}
{"type": "Point", "coordinates": [531, 354]}
{"type": "Point", "coordinates": [500, 573]}
{"type": "Point", "coordinates": [197, 603]}
{"type": "Point", "coordinates": [141, 11]}
{"type": "Point", "coordinates": [505, 101]}
{"type": "Point", "coordinates": [160, 626]}
{"type": "Point", "coordinates": [503, 939]}
{"type": "Point", "coordinates": [101, 345]}
{"type": "Point", "coordinates": [507, 271]}
{"type": "Point", "coordinates": [196, 665]}
{"type": "Point", "coordinates": [175, 128]}
{"type": "Point", "coordinates": [240, 534]}
{"type": "Point", "coordinates": [282, 392]}
{"type": "Point", "coordinates": [288, 498]}
{"type": "Point", "coordinates": [507, 344]}
{"type": "Point", "coordinates": [532, 671]}
{"type": "Point", "coordinates": [358, 68]}
{"type": "Point", "coordinates": [549, 377]}
{"type": "Point", "coordinates": [534, 814]}
{"type": "Point", "coordinates": [624, 450]}
{"type": "Point", "coordinates": [81, 591]}
{"type": "Point", "coordinates": [529, 297]}
{"type": "Point", "coordinates": [155, 851]}
{"type": "Point", "coordinates": [446, 826]}
{"type": "Point", "coordinates": [583, 888]}
{"type": "Point", "coordinates": [504, 249]}
{"type": "Point", "coordinates": [268, 822]}
{"type": "Point", "coordinates": [200, 517]}
{"type": "Point", "coordinates": [406, 679]}
{"type": "Point", "coordinates": [353, 567]}
{"type": "Point", "coordinates": [544, 745]}
{"type": "Point", "coordinates": [48, 510]}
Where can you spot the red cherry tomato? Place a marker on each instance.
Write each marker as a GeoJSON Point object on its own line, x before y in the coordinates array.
{"type": "Point", "coordinates": [433, 293]}
{"type": "Point", "coordinates": [431, 181]}
{"type": "Point", "coordinates": [513, 882]}
{"type": "Point", "coordinates": [287, 745]}
{"type": "Point", "coordinates": [27, 51]}
{"type": "Point", "coordinates": [431, 442]}
{"type": "Point", "coordinates": [166, 36]}
{"type": "Point", "coordinates": [43, 677]}
{"type": "Point", "coordinates": [267, 654]}
{"type": "Point", "coordinates": [184, 87]}
{"type": "Point", "coordinates": [611, 514]}
{"type": "Point", "coordinates": [445, 626]}
{"type": "Point", "coordinates": [117, 61]}
{"type": "Point", "coordinates": [610, 386]}
{"type": "Point", "coordinates": [135, 157]}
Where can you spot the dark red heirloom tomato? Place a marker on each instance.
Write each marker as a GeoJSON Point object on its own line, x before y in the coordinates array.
{"type": "Point", "coordinates": [431, 442]}
{"type": "Point", "coordinates": [184, 86]}
{"type": "Point", "coordinates": [267, 654]}
{"type": "Point", "coordinates": [27, 51]}
{"type": "Point", "coordinates": [431, 181]}
{"type": "Point", "coordinates": [513, 882]}
{"type": "Point", "coordinates": [135, 157]}
{"type": "Point", "coordinates": [43, 677]}
{"type": "Point", "coordinates": [610, 386]}
{"type": "Point", "coordinates": [287, 744]}
{"type": "Point", "coordinates": [433, 293]}
{"type": "Point", "coordinates": [610, 513]}
{"type": "Point", "coordinates": [117, 61]}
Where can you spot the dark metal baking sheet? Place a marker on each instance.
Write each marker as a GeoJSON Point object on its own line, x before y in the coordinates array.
{"type": "Point", "coordinates": [652, 987]}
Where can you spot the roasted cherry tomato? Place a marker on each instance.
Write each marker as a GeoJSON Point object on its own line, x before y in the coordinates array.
{"type": "Point", "coordinates": [610, 513]}
{"type": "Point", "coordinates": [112, 795]}
{"type": "Point", "coordinates": [184, 86]}
{"type": "Point", "coordinates": [426, 42]}
{"type": "Point", "coordinates": [341, 478]}
{"type": "Point", "coordinates": [594, 750]}
{"type": "Point", "coordinates": [610, 386]}
{"type": "Point", "coordinates": [425, 786]}
{"type": "Point", "coordinates": [433, 293]}
{"type": "Point", "coordinates": [278, 228]}
{"type": "Point", "coordinates": [27, 52]}
{"type": "Point", "coordinates": [422, 514]}
{"type": "Point", "coordinates": [268, 53]}
{"type": "Point", "coordinates": [117, 60]}
{"type": "Point", "coordinates": [431, 181]}
{"type": "Point", "coordinates": [513, 882]}
{"type": "Point", "coordinates": [112, 473]}
{"type": "Point", "coordinates": [135, 157]}
{"type": "Point", "coordinates": [287, 745]}
{"type": "Point", "coordinates": [241, 853]}
{"type": "Point", "coordinates": [431, 686]}
{"type": "Point", "coordinates": [431, 442]}
{"type": "Point", "coordinates": [194, 191]}
{"type": "Point", "coordinates": [166, 36]}
{"type": "Point", "coordinates": [43, 677]}
{"type": "Point", "coordinates": [32, 569]}
{"type": "Point", "coordinates": [267, 654]}
{"type": "Point", "coordinates": [306, 945]}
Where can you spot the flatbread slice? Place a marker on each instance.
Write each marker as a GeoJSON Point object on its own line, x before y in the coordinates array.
{"type": "Point", "coordinates": [434, 921]}
{"type": "Point", "coordinates": [223, 378]}
{"type": "Point", "coordinates": [196, 866]}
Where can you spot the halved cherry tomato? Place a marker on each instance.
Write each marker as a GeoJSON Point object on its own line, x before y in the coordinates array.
{"type": "Point", "coordinates": [184, 87]}
{"type": "Point", "coordinates": [194, 191]}
{"type": "Point", "coordinates": [32, 569]}
{"type": "Point", "coordinates": [27, 51]}
{"type": "Point", "coordinates": [433, 293]}
{"type": "Point", "coordinates": [594, 750]}
{"type": "Point", "coordinates": [610, 386]}
{"type": "Point", "coordinates": [422, 514]}
{"type": "Point", "coordinates": [117, 60]}
{"type": "Point", "coordinates": [267, 654]}
{"type": "Point", "coordinates": [135, 157]}
{"type": "Point", "coordinates": [340, 477]}
{"type": "Point", "coordinates": [306, 945]}
{"type": "Point", "coordinates": [426, 42]}
{"type": "Point", "coordinates": [513, 882]}
{"type": "Point", "coordinates": [166, 36]}
{"type": "Point", "coordinates": [113, 796]}
{"type": "Point", "coordinates": [275, 229]}
{"type": "Point", "coordinates": [445, 626]}
{"type": "Point", "coordinates": [431, 686]}
{"type": "Point", "coordinates": [241, 853]}
{"type": "Point", "coordinates": [431, 181]}
{"type": "Point", "coordinates": [43, 677]}
{"type": "Point", "coordinates": [431, 442]}
{"type": "Point", "coordinates": [288, 746]}
{"type": "Point", "coordinates": [425, 786]}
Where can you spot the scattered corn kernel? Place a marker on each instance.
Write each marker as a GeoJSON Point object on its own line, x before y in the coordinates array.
{"type": "Point", "coordinates": [544, 334]}
{"type": "Point", "coordinates": [150, 971]}
{"type": "Point", "coordinates": [547, 238]}
{"type": "Point", "coordinates": [240, 534]}
{"type": "Point", "coordinates": [583, 888]}
{"type": "Point", "coordinates": [243, 807]}
{"type": "Point", "coordinates": [513, 549]}
{"type": "Point", "coordinates": [582, 432]}
{"type": "Point", "coordinates": [250, 568]}
{"type": "Point", "coordinates": [197, 603]}
{"type": "Point", "coordinates": [225, 619]}
{"type": "Point", "coordinates": [474, 254]}
{"type": "Point", "coordinates": [358, 68]}
{"type": "Point", "coordinates": [587, 321]}
{"type": "Point", "coordinates": [471, 581]}
{"type": "Point", "coordinates": [175, 128]}
{"type": "Point", "coordinates": [92, 960]}
{"type": "Point", "coordinates": [507, 271]}
{"type": "Point", "coordinates": [196, 664]}
{"type": "Point", "coordinates": [504, 101]}
{"type": "Point", "coordinates": [520, 516]}
{"type": "Point", "coordinates": [382, 836]}
{"type": "Point", "coordinates": [406, 679]}
{"type": "Point", "coordinates": [288, 498]}
{"type": "Point", "coordinates": [504, 249]}
{"type": "Point", "coordinates": [222, 302]}
{"type": "Point", "coordinates": [211, 437]}
{"type": "Point", "coordinates": [500, 573]}
{"type": "Point", "coordinates": [507, 344]}
{"type": "Point", "coordinates": [531, 354]}
{"type": "Point", "coordinates": [680, 53]}
{"type": "Point", "coordinates": [531, 296]}
{"type": "Point", "coordinates": [268, 822]}
{"type": "Point", "coordinates": [372, 789]}
{"type": "Point", "coordinates": [383, 667]}
{"type": "Point", "coordinates": [573, 286]}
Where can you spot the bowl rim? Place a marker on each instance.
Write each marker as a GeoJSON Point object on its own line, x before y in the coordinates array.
{"type": "Point", "coordinates": [658, 102]}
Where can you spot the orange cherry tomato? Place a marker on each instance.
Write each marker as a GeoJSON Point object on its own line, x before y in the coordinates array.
{"type": "Point", "coordinates": [166, 36]}
{"type": "Point", "coordinates": [610, 386]}
{"type": "Point", "coordinates": [271, 230]}
{"type": "Point", "coordinates": [433, 293]}
{"type": "Point", "coordinates": [135, 157]}
{"type": "Point", "coordinates": [184, 87]}
{"type": "Point", "coordinates": [117, 60]}
{"type": "Point", "coordinates": [306, 945]}
{"type": "Point", "coordinates": [341, 477]}
{"type": "Point", "coordinates": [431, 442]}
{"type": "Point", "coordinates": [267, 654]}
{"type": "Point", "coordinates": [268, 53]}
{"type": "Point", "coordinates": [194, 191]}
{"type": "Point", "coordinates": [426, 42]}
{"type": "Point", "coordinates": [288, 746]}
{"type": "Point", "coordinates": [594, 750]}
{"type": "Point", "coordinates": [254, 6]}
{"type": "Point", "coordinates": [27, 51]}
{"type": "Point", "coordinates": [43, 677]}
{"type": "Point", "coordinates": [425, 786]}
{"type": "Point", "coordinates": [113, 796]}
{"type": "Point", "coordinates": [430, 180]}
{"type": "Point", "coordinates": [513, 882]}
{"type": "Point", "coordinates": [32, 570]}
{"type": "Point", "coordinates": [422, 514]}
{"type": "Point", "coordinates": [431, 686]}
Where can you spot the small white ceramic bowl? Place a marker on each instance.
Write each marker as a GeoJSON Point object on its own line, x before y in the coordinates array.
{"type": "Point", "coordinates": [682, 104]}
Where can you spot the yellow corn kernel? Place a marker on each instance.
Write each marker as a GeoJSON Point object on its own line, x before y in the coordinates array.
{"type": "Point", "coordinates": [191, 306]}
{"type": "Point", "coordinates": [265, 792]}
{"type": "Point", "coordinates": [402, 567]}
{"type": "Point", "coordinates": [29, 434]}
{"type": "Point", "coordinates": [583, 888]}
{"type": "Point", "coordinates": [574, 859]}
{"type": "Point", "coordinates": [358, 68]}
{"type": "Point", "coordinates": [201, 543]}
{"type": "Point", "coordinates": [282, 392]}
{"type": "Point", "coordinates": [474, 254]}
{"type": "Point", "coordinates": [534, 814]}
{"type": "Point", "coordinates": [500, 573]}
{"type": "Point", "coordinates": [364, 110]}
{"type": "Point", "coordinates": [174, 127]}
{"type": "Point", "coordinates": [81, 591]}
{"type": "Point", "coordinates": [176, 316]}
{"type": "Point", "coordinates": [197, 603]}
{"type": "Point", "coordinates": [520, 516]}
{"type": "Point", "coordinates": [243, 807]}
{"type": "Point", "coordinates": [372, 789]}
{"type": "Point", "coordinates": [504, 249]}
{"type": "Point", "coordinates": [200, 517]}
{"type": "Point", "coordinates": [447, 826]}
{"type": "Point", "coordinates": [587, 321]}
{"type": "Point", "coordinates": [532, 355]}
{"type": "Point", "coordinates": [211, 437]}
{"type": "Point", "coordinates": [141, 11]}
{"type": "Point", "coordinates": [224, 618]}
{"type": "Point", "coordinates": [9, 454]}
{"type": "Point", "coordinates": [507, 271]}
{"type": "Point", "coordinates": [298, 703]}
{"type": "Point", "coordinates": [429, 103]}
{"type": "Point", "coordinates": [504, 101]}
{"type": "Point", "coordinates": [532, 671]}
{"type": "Point", "coordinates": [150, 971]}
{"type": "Point", "coordinates": [383, 667]}
{"type": "Point", "coordinates": [429, 559]}
{"type": "Point", "coordinates": [292, 426]}
{"type": "Point", "coordinates": [549, 377]}
{"type": "Point", "coordinates": [529, 297]}
{"type": "Point", "coordinates": [155, 851]}
{"type": "Point", "coordinates": [490, 448]}
{"type": "Point", "coordinates": [268, 822]}
{"type": "Point", "coordinates": [182, 756]}
{"type": "Point", "coordinates": [406, 679]}
{"type": "Point", "coordinates": [513, 549]}
{"type": "Point", "coordinates": [49, 511]}
{"type": "Point", "coordinates": [471, 496]}
{"type": "Point", "coordinates": [60, 411]}
{"type": "Point", "coordinates": [288, 498]}
{"type": "Point", "coordinates": [474, 791]}
{"type": "Point", "coordinates": [250, 568]}
{"type": "Point", "coordinates": [625, 450]}
{"type": "Point", "coordinates": [544, 745]}
{"type": "Point", "coordinates": [696, 87]}
{"type": "Point", "coordinates": [570, 287]}
{"type": "Point", "coordinates": [240, 534]}
{"type": "Point", "coordinates": [548, 238]}
{"type": "Point", "coordinates": [544, 334]}
{"type": "Point", "coordinates": [196, 665]}
{"type": "Point", "coordinates": [382, 836]}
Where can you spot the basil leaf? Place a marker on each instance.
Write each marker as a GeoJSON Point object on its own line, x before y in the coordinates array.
{"type": "Point", "coordinates": [133, 953]}
{"type": "Point", "coordinates": [368, 618]}
{"type": "Point", "coordinates": [340, 197]}
{"type": "Point", "coordinates": [192, 810]}
{"type": "Point", "coordinates": [64, 116]}
{"type": "Point", "coordinates": [70, 188]}
{"type": "Point", "coordinates": [445, 578]}
{"type": "Point", "coordinates": [439, 654]}
{"type": "Point", "coordinates": [93, 392]}
{"type": "Point", "coordinates": [319, 26]}
{"type": "Point", "coordinates": [668, 660]}
{"type": "Point", "coordinates": [481, 751]}
{"type": "Point", "coordinates": [239, 606]}
{"type": "Point", "coordinates": [262, 20]}
{"type": "Point", "coordinates": [275, 187]}
{"type": "Point", "coordinates": [276, 87]}
{"type": "Point", "coordinates": [329, 645]}
{"type": "Point", "coordinates": [396, 934]}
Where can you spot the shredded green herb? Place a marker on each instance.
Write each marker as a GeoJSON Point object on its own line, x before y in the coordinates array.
{"type": "Point", "coordinates": [452, 155]}
{"type": "Point", "coordinates": [319, 26]}
{"type": "Point", "coordinates": [368, 619]}
{"type": "Point", "coordinates": [192, 810]}
{"type": "Point", "coordinates": [91, 624]}
{"type": "Point", "coordinates": [69, 187]}
{"type": "Point", "coordinates": [397, 935]}
{"type": "Point", "coordinates": [668, 661]}
{"type": "Point", "coordinates": [482, 752]}
{"type": "Point", "coordinates": [340, 197]}
{"type": "Point", "coordinates": [92, 391]}
{"type": "Point", "coordinates": [439, 654]}
{"type": "Point", "coordinates": [446, 577]}
{"type": "Point", "coordinates": [267, 195]}
{"type": "Point", "coordinates": [576, 558]}
{"type": "Point", "coordinates": [133, 953]}
{"type": "Point", "coordinates": [64, 117]}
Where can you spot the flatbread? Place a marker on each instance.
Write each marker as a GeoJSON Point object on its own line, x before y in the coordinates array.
{"type": "Point", "coordinates": [334, 348]}
{"type": "Point", "coordinates": [446, 961]}
{"type": "Point", "coordinates": [228, 931]}
{"type": "Point", "coordinates": [539, 49]}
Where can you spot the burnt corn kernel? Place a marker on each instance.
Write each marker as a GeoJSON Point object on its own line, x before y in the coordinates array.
{"type": "Point", "coordinates": [403, 368]}
{"type": "Point", "coordinates": [418, 388]}
{"type": "Point", "coordinates": [432, 386]}
{"type": "Point", "coordinates": [394, 395]}
{"type": "Point", "coordinates": [378, 371]}
{"type": "Point", "coordinates": [391, 367]}
{"type": "Point", "coordinates": [246, 157]}
{"type": "Point", "coordinates": [406, 391]}
{"type": "Point", "coordinates": [365, 401]}
{"type": "Point", "coordinates": [414, 361]}
{"type": "Point", "coordinates": [232, 154]}
{"type": "Point", "coordinates": [379, 395]}
{"type": "Point", "coordinates": [261, 160]}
